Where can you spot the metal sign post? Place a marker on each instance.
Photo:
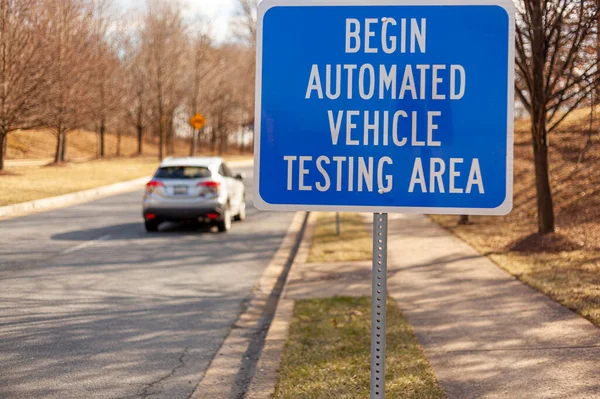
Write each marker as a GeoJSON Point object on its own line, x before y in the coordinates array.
{"type": "Point", "coordinates": [378, 305]}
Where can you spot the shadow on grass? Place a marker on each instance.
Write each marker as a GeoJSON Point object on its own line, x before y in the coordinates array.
{"type": "Point", "coordinates": [544, 243]}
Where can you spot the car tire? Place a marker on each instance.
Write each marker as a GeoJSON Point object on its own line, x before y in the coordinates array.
{"type": "Point", "coordinates": [224, 224]}
{"type": "Point", "coordinates": [242, 214]}
{"type": "Point", "coordinates": [151, 227]}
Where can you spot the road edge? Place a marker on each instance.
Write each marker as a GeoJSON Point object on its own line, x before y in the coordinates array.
{"type": "Point", "coordinates": [267, 369]}
{"type": "Point", "coordinates": [226, 372]}
{"type": "Point", "coordinates": [80, 197]}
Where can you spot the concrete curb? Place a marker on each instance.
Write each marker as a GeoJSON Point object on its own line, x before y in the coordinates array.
{"type": "Point", "coordinates": [220, 379]}
{"type": "Point", "coordinates": [79, 197]}
{"type": "Point", "coordinates": [45, 204]}
{"type": "Point", "coordinates": [267, 370]}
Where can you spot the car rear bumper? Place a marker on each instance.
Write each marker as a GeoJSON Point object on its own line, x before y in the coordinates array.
{"type": "Point", "coordinates": [181, 213]}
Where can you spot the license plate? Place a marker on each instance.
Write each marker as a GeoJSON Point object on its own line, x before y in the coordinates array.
{"type": "Point", "coordinates": [180, 190]}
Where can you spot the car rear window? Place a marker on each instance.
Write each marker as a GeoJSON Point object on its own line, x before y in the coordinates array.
{"type": "Point", "coordinates": [182, 172]}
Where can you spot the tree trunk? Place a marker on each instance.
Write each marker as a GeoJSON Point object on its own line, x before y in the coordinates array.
{"type": "Point", "coordinates": [63, 149]}
{"type": "Point", "coordinates": [58, 146]}
{"type": "Point", "coordinates": [161, 138]}
{"type": "Point", "coordinates": [167, 140]}
{"type": "Point", "coordinates": [140, 134]}
{"type": "Point", "coordinates": [544, 192]}
{"type": "Point", "coordinates": [193, 144]}
{"type": "Point", "coordinates": [171, 135]}
{"type": "Point", "coordinates": [223, 146]}
{"type": "Point", "coordinates": [5, 145]}
{"type": "Point", "coordinates": [213, 140]}
{"type": "Point", "coordinates": [97, 136]}
{"type": "Point", "coordinates": [2, 146]}
{"type": "Point", "coordinates": [102, 137]}
{"type": "Point", "coordinates": [199, 135]}
{"type": "Point", "coordinates": [538, 123]}
{"type": "Point", "coordinates": [243, 140]}
{"type": "Point", "coordinates": [119, 144]}
{"type": "Point", "coordinates": [172, 145]}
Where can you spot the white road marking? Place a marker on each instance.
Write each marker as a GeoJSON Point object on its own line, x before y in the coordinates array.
{"type": "Point", "coordinates": [84, 245]}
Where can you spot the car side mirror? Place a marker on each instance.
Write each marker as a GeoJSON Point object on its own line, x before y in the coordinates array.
{"type": "Point", "coordinates": [240, 176]}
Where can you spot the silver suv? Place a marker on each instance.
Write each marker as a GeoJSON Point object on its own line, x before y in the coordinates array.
{"type": "Point", "coordinates": [199, 189]}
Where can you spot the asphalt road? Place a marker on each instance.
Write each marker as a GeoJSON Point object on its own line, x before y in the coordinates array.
{"type": "Point", "coordinates": [91, 306]}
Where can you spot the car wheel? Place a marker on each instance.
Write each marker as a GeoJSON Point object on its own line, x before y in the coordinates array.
{"type": "Point", "coordinates": [242, 214]}
{"type": "Point", "coordinates": [151, 227]}
{"type": "Point", "coordinates": [224, 224]}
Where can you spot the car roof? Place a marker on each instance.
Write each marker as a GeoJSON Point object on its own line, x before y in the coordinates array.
{"type": "Point", "coordinates": [192, 161]}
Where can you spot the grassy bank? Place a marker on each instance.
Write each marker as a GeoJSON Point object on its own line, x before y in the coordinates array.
{"type": "Point", "coordinates": [353, 243]}
{"type": "Point", "coordinates": [328, 351]}
{"type": "Point", "coordinates": [566, 265]}
{"type": "Point", "coordinates": [28, 183]}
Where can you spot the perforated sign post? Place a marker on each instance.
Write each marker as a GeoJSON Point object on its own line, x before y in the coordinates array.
{"type": "Point", "coordinates": [384, 106]}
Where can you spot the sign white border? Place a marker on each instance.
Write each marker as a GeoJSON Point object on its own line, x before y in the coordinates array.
{"type": "Point", "coordinates": [503, 209]}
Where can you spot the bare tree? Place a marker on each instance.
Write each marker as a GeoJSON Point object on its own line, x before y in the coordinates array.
{"type": "Point", "coordinates": [22, 60]}
{"type": "Point", "coordinates": [555, 74]}
{"type": "Point", "coordinates": [224, 94]}
{"type": "Point", "coordinates": [164, 42]}
{"type": "Point", "coordinates": [106, 69]}
{"type": "Point", "coordinates": [244, 25]}
{"type": "Point", "coordinates": [109, 94]}
{"type": "Point", "coordinates": [136, 91]}
{"type": "Point", "coordinates": [68, 100]}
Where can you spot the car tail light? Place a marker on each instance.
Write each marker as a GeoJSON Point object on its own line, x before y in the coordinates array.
{"type": "Point", "coordinates": [151, 185]}
{"type": "Point", "coordinates": [209, 189]}
{"type": "Point", "coordinates": [212, 184]}
{"type": "Point", "coordinates": [212, 216]}
{"type": "Point", "coordinates": [150, 216]}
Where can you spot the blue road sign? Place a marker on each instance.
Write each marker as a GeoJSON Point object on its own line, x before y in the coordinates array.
{"type": "Point", "coordinates": [390, 106]}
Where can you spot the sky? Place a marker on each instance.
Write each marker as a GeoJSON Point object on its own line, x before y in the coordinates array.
{"type": "Point", "coordinates": [217, 12]}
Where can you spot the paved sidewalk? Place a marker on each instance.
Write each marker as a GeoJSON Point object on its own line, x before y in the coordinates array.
{"type": "Point", "coordinates": [486, 334]}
